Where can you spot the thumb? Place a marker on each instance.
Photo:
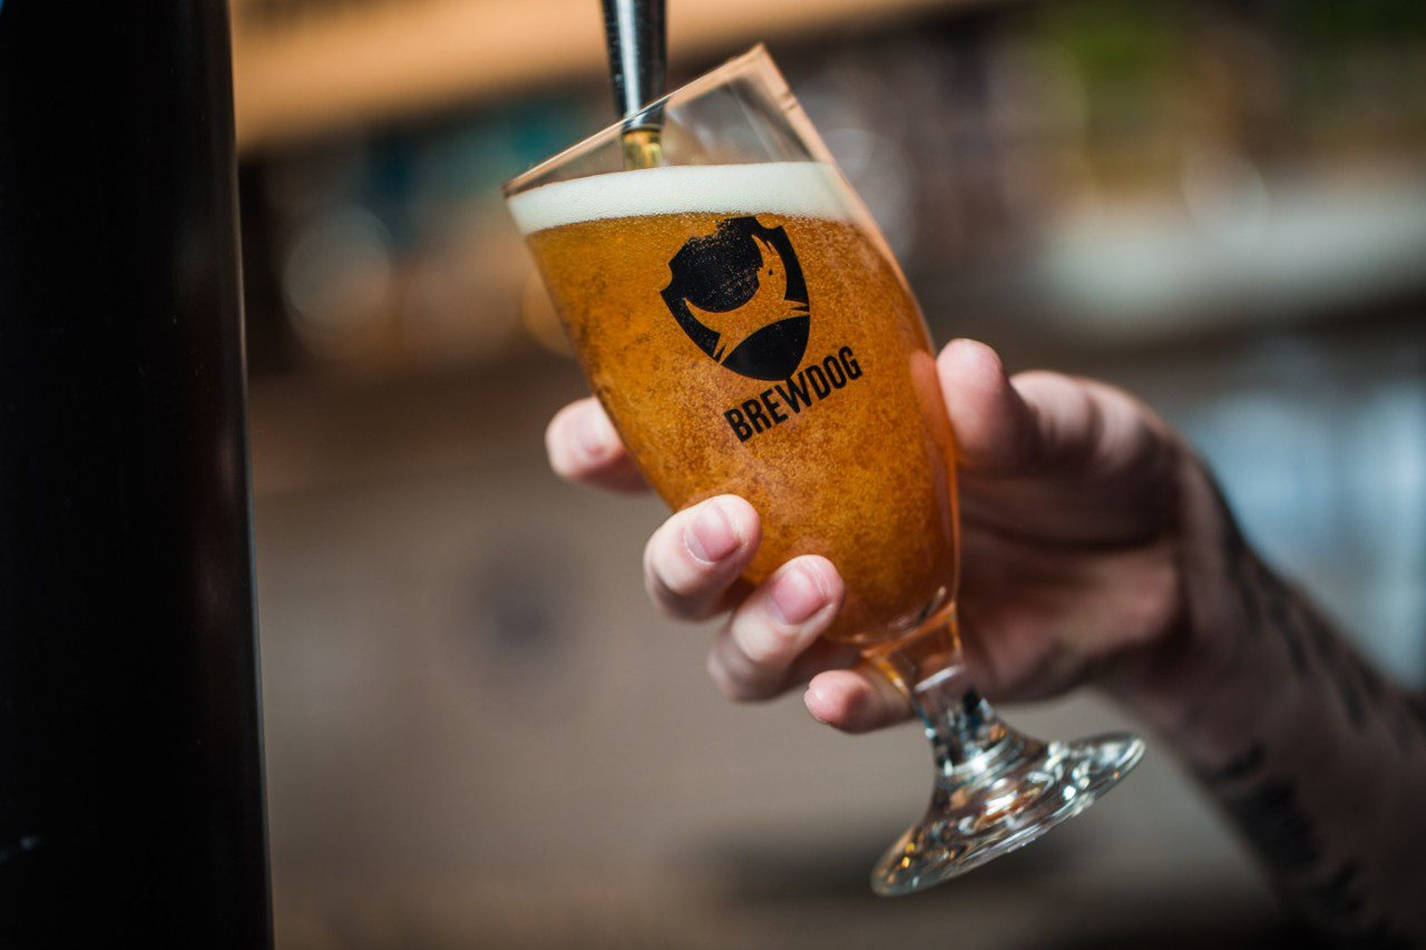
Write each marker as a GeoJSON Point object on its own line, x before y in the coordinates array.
{"type": "Point", "coordinates": [996, 431]}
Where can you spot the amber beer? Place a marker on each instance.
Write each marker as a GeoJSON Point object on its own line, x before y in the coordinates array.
{"type": "Point", "coordinates": [749, 333]}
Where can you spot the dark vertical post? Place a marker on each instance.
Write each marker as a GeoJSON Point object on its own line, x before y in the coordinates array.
{"type": "Point", "coordinates": [131, 810]}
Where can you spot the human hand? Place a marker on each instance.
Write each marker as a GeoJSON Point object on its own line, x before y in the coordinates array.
{"type": "Point", "coordinates": [1072, 548]}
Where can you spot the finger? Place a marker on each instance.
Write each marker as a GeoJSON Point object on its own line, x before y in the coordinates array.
{"type": "Point", "coordinates": [698, 553]}
{"type": "Point", "coordinates": [583, 447]}
{"type": "Point", "coordinates": [754, 655]}
{"type": "Point", "coordinates": [1084, 422]}
{"type": "Point", "coordinates": [996, 431]}
{"type": "Point", "coordinates": [821, 656]}
{"type": "Point", "coordinates": [1039, 419]}
{"type": "Point", "coordinates": [856, 700]}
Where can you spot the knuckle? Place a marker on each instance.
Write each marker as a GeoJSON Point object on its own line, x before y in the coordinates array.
{"type": "Point", "coordinates": [736, 686]}
{"type": "Point", "coordinates": [721, 677]}
{"type": "Point", "coordinates": [663, 594]}
{"type": "Point", "coordinates": [765, 642]}
{"type": "Point", "coordinates": [681, 585]}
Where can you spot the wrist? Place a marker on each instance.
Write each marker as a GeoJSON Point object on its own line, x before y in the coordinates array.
{"type": "Point", "coordinates": [1206, 661]}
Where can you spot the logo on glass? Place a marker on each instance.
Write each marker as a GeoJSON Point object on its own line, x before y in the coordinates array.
{"type": "Point", "coordinates": [739, 295]}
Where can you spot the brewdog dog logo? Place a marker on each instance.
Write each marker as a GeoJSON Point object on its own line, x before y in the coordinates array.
{"type": "Point", "coordinates": [740, 296]}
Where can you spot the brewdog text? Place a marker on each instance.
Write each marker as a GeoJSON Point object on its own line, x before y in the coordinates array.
{"type": "Point", "coordinates": [812, 384]}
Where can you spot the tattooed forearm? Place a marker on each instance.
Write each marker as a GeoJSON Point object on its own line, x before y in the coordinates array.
{"type": "Point", "coordinates": [1317, 761]}
{"type": "Point", "coordinates": [1329, 894]}
{"type": "Point", "coordinates": [1324, 786]}
{"type": "Point", "coordinates": [1270, 816]}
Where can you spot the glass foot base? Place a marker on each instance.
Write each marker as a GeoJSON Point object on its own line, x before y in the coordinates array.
{"type": "Point", "coordinates": [1001, 800]}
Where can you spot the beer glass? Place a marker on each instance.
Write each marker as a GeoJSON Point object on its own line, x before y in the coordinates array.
{"type": "Point", "coordinates": [744, 324]}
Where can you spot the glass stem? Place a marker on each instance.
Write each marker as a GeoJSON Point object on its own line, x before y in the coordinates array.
{"type": "Point", "coordinates": [960, 725]}
{"type": "Point", "coordinates": [995, 789]}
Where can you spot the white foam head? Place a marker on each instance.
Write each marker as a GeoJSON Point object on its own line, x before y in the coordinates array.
{"type": "Point", "coordinates": [793, 189]}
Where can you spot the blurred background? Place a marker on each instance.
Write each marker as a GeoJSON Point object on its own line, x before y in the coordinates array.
{"type": "Point", "coordinates": [478, 733]}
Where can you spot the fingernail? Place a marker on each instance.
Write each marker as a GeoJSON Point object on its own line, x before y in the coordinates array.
{"type": "Point", "coordinates": [710, 536]}
{"type": "Point", "coordinates": [593, 434]}
{"type": "Point", "coordinates": [796, 595]}
{"type": "Point", "coordinates": [811, 699]}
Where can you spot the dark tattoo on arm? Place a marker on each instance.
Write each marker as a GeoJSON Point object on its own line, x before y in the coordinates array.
{"type": "Point", "coordinates": [1266, 802]}
{"type": "Point", "coordinates": [1274, 608]}
{"type": "Point", "coordinates": [1279, 616]}
{"type": "Point", "coordinates": [1237, 768]}
{"type": "Point", "coordinates": [1270, 816]}
{"type": "Point", "coordinates": [1267, 812]}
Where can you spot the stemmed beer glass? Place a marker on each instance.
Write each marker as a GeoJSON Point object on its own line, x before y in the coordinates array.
{"type": "Point", "coordinates": [744, 324]}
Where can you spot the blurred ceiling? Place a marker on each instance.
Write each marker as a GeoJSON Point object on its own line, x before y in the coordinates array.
{"type": "Point", "coordinates": [314, 66]}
